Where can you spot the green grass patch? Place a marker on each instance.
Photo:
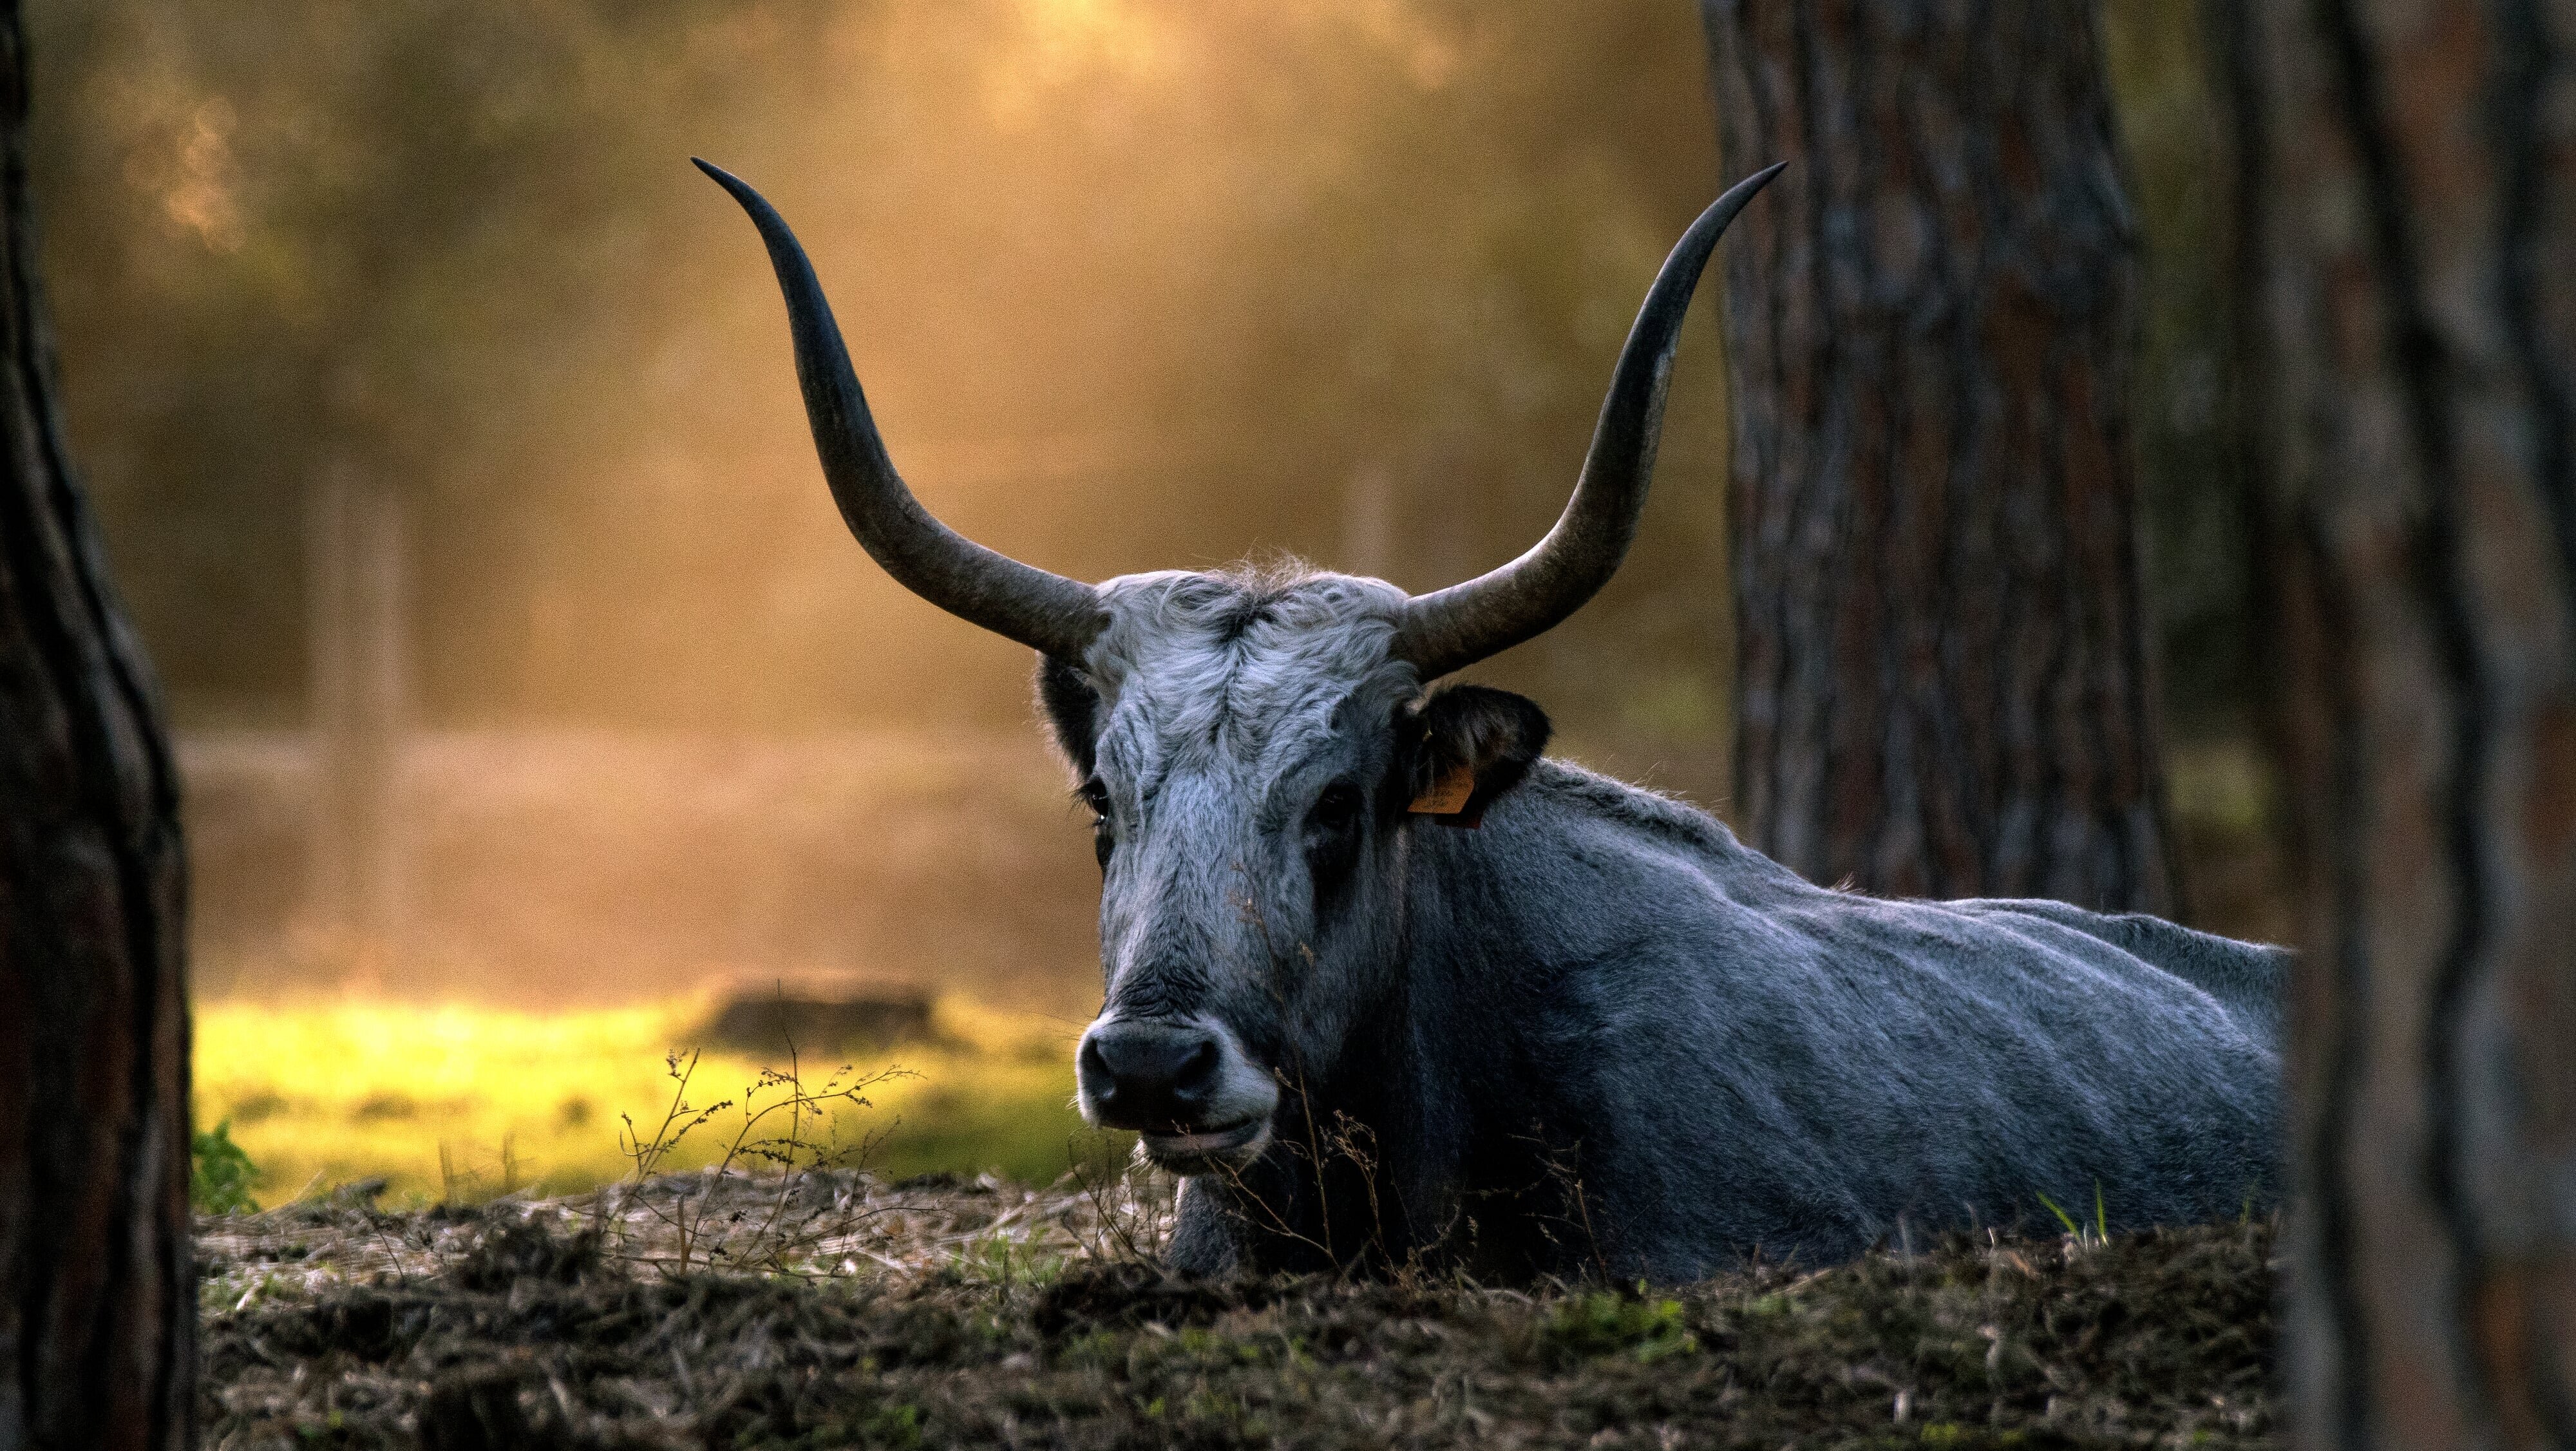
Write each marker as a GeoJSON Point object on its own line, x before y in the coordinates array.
{"type": "Point", "coordinates": [220, 1173]}
{"type": "Point", "coordinates": [461, 1103]}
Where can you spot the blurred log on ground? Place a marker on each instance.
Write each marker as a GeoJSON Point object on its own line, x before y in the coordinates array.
{"type": "Point", "coordinates": [1943, 680]}
{"type": "Point", "coordinates": [98, 1301]}
{"type": "Point", "coordinates": [2408, 187]}
{"type": "Point", "coordinates": [815, 1016]}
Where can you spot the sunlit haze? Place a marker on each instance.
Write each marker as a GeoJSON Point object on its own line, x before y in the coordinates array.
{"type": "Point", "coordinates": [1132, 284]}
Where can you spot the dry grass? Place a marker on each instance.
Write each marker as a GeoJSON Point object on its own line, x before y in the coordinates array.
{"type": "Point", "coordinates": [933, 1224]}
{"type": "Point", "coordinates": [980, 1314]}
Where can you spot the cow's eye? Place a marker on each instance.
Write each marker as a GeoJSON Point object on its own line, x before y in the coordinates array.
{"type": "Point", "coordinates": [1104, 837]}
{"type": "Point", "coordinates": [1333, 835]}
{"type": "Point", "coordinates": [1338, 807]}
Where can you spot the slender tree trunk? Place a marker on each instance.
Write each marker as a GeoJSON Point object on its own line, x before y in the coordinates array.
{"type": "Point", "coordinates": [2418, 251]}
{"type": "Point", "coordinates": [354, 535]}
{"type": "Point", "coordinates": [97, 1298]}
{"type": "Point", "coordinates": [1942, 680]}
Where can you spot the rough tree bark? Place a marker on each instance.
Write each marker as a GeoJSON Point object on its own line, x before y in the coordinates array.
{"type": "Point", "coordinates": [97, 1297]}
{"type": "Point", "coordinates": [1942, 676]}
{"type": "Point", "coordinates": [2411, 192]}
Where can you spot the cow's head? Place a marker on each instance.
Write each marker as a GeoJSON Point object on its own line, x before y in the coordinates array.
{"type": "Point", "coordinates": [1255, 746]}
{"type": "Point", "coordinates": [1252, 747]}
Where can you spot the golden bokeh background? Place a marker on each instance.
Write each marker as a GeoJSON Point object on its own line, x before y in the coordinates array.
{"type": "Point", "coordinates": [1132, 284]}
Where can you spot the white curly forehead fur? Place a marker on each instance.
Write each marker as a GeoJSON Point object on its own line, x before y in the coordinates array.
{"type": "Point", "coordinates": [1236, 667]}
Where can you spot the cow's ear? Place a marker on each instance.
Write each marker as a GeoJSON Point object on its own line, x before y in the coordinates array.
{"type": "Point", "coordinates": [1073, 709]}
{"type": "Point", "coordinates": [1469, 745]}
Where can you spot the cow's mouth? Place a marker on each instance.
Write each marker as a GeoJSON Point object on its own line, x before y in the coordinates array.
{"type": "Point", "coordinates": [1201, 1150]}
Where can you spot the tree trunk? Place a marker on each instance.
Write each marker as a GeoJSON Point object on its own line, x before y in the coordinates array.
{"type": "Point", "coordinates": [1942, 678]}
{"type": "Point", "coordinates": [2416, 235]}
{"type": "Point", "coordinates": [354, 534]}
{"type": "Point", "coordinates": [98, 1300]}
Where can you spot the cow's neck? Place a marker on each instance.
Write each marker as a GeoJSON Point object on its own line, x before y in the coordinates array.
{"type": "Point", "coordinates": [1489, 946]}
{"type": "Point", "coordinates": [1446, 1131]}
{"type": "Point", "coordinates": [1344, 1180]}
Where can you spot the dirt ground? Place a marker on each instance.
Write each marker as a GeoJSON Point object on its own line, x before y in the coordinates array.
{"type": "Point", "coordinates": [847, 1312]}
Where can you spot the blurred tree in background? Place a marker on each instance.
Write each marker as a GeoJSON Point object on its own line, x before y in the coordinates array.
{"type": "Point", "coordinates": [309, 321]}
{"type": "Point", "coordinates": [2195, 509]}
{"type": "Point", "coordinates": [1944, 676]}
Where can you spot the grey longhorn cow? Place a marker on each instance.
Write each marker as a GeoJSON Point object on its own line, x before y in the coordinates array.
{"type": "Point", "coordinates": [1597, 1033]}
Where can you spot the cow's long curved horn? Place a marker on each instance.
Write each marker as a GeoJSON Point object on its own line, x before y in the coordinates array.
{"type": "Point", "coordinates": [1046, 612]}
{"type": "Point", "coordinates": [1458, 626]}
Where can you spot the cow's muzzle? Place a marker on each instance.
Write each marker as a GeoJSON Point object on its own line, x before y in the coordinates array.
{"type": "Point", "coordinates": [1186, 1087]}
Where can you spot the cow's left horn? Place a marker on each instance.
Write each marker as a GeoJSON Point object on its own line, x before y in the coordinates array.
{"type": "Point", "coordinates": [1046, 612]}
{"type": "Point", "coordinates": [1464, 623]}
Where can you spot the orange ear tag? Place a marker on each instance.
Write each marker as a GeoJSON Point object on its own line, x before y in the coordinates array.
{"type": "Point", "coordinates": [1448, 795]}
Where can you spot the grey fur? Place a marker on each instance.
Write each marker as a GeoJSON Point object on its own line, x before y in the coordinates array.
{"type": "Point", "coordinates": [1599, 1033]}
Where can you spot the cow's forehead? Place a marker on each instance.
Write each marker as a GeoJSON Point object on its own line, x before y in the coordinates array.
{"type": "Point", "coordinates": [1238, 669]}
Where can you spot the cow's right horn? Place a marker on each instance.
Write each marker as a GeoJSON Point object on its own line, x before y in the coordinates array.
{"type": "Point", "coordinates": [1046, 612]}
{"type": "Point", "coordinates": [1458, 626]}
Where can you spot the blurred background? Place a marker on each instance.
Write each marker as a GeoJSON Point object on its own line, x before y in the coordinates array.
{"type": "Point", "coordinates": [446, 441]}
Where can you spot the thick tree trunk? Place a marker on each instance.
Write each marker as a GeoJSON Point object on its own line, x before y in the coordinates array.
{"type": "Point", "coordinates": [1942, 672]}
{"type": "Point", "coordinates": [2417, 226]}
{"type": "Point", "coordinates": [97, 1298]}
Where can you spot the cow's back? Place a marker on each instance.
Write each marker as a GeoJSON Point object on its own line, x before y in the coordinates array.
{"type": "Point", "coordinates": [1764, 1062]}
{"type": "Point", "coordinates": [2249, 978]}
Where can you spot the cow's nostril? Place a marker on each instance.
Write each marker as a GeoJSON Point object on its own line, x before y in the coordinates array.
{"type": "Point", "coordinates": [1150, 1074]}
{"type": "Point", "coordinates": [1091, 1068]}
{"type": "Point", "coordinates": [1197, 1073]}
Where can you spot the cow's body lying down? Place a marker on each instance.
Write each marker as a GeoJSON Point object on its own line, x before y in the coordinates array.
{"type": "Point", "coordinates": [1594, 1033]}
{"type": "Point", "coordinates": [1603, 989]}
{"type": "Point", "coordinates": [1596, 1026]}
